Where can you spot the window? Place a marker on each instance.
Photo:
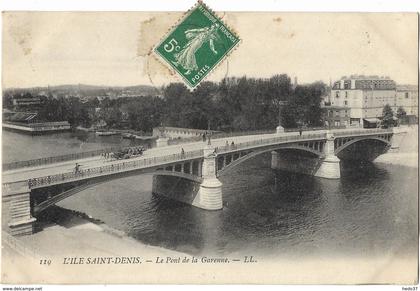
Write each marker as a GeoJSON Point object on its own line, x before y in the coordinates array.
{"type": "Point", "coordinates": [345, 103]}
{"type": "Point", "coordinates": [337, 94]}
{"type": "Point", "coordinates": [347, 84]}
{"type": "Point", "coordinates": [406, 94]}
{"type": "Point", "coordinates": [337, 113]}
{"type": "Point", "coordinates": [346, 94]}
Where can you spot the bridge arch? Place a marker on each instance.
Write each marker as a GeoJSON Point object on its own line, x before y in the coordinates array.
{"type": "Point", "coordinates": [255, 153]}
{"type": "Point", "coordinates": [86, 184]}
{"type": "Point", "coordinates": [359, 139]}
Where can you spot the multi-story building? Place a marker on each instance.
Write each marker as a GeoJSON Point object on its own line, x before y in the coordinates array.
{"type": "Point", "coordinates": [366, 96]}
{"type": "Point", "coordinates": [407, 98]}
{"type": "Point", "coordinates": [337, 116]}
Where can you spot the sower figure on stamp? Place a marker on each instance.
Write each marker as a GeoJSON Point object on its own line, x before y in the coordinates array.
{"type": "Point", "coordinates": [197, 37]}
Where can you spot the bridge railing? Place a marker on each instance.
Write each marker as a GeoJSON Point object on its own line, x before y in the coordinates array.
{"type": "Point", "coordinates": [268, 141]}
{"type": "Point", "coordinates": [181, 140]}
{"type": "Point", "coordinates": [112, 168]}
{"type": "Point", "coordinates": [216, 135]}
{"type": "Point", "coordinates": [155, 161]}
{"type": "Point", "coordinates": [338, 133]}
{"type": "Point", "coordinates": [241, 133]}
{"type": "Point", "coordinates": [57, 159]}
{"type": "Point", "coordinates": [312, 128]}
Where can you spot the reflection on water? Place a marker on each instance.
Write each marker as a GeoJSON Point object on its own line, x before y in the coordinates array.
{"type": "Point", "coordinates": [371, 210]}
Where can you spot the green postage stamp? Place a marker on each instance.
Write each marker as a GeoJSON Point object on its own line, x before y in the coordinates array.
{"type": "Point", "coordinates": [197, 44]}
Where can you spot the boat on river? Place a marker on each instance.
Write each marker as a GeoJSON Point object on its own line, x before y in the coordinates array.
{"type": "Point", "coordinates": [106, 133]}
{"type": "Point", "coordinates": [128, 135]}
{"type": "Point", "coordinates": [145, 137]}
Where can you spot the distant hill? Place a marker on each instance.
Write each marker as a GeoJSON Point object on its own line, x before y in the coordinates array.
{"type": "Point", "coordinates": [84, 90]}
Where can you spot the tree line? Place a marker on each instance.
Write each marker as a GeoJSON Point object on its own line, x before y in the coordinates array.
{"type": "Point", "coordinates": [233, 104]}
{"type": "Point", "coordinates": [239, 104]}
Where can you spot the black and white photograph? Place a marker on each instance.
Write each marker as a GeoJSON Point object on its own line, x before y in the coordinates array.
{"type": "Point", "coordinates": [292, 160]}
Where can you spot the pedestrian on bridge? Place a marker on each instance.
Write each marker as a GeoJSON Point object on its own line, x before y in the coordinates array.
{"type": "Point", "coordinates": [300, 131]}
{"type": "Point", "coordinates": [77, 169]}
{"type": "Point", "coordinates": [182, 153]}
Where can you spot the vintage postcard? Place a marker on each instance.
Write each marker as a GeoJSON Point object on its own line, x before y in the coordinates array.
{"type": "Point", "coordinates": [209, 147]}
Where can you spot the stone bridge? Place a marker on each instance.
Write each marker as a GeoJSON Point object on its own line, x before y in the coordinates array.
{"type": "Point", "coordinates": [192, 175]}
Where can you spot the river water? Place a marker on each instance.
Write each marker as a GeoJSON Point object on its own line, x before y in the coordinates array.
{"type": "Point", "coordinates": [370, 211]}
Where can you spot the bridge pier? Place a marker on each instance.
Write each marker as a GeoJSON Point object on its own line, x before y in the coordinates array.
{"type": "Point", "coordinates": [330, 165]}
{"type": "Point", "coordinates": [325, 167]}
{"type": "Point", "coordinates": [16, 209]}
{"type": "Point", "coordinates": [210, 193]}
{"type": "Point", "coordinates": [329, 168]}
{"type": "Point", "coordinates": [204, 194]}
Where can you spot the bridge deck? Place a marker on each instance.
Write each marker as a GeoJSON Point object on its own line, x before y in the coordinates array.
{"type": "Point", "coordinates": [95, 162]}
{"type": "Point", "coordinates": [52, 169]}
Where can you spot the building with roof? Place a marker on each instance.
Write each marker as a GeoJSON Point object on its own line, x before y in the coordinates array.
{"type": "Point", "coordinates": [337, 116]}
{"type": "Point", "coordinates": [366, 97]}
{"type": "Point", "coordinates": [407, 98]}
{"type": "Point", "coordinates": [23, 117]}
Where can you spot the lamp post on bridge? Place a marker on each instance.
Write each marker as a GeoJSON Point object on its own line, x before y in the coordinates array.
{"type": "Point", "coordinates": [279, 128]}
{"type": "Point", "coordinates": [209, 133]}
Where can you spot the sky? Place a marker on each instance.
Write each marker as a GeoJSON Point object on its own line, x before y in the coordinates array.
{"type": "Point", "coordinates": [112, 48]}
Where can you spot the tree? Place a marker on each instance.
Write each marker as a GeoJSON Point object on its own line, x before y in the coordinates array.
{"type": "Point", "coordinates": [279, 90]}
{"type": "Point", "coordinates": [112, 116]}
{"type": "Point", "coordinates": [289, 116]}
{"type": "Point", "coordinates": [387, 116]}
{"type": "Point", "coordinates": [176, 96]}
{"type": "Point", "coordinates": [145, 113]}
{"type": "Point", "coordinates": [401, 112]}
{"type": "Point", "coordinates": [304, 106]}
{"type": "Point", "coordinates": [7, 100]}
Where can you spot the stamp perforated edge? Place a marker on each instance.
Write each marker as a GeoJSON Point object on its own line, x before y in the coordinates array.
{"type": "Point", "coordinates": [153, 51]}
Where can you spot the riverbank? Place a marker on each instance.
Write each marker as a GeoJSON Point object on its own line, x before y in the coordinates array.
{"type": "Point", "coordinates": [407, 154]}
{"type": "Point", "coordinates": [399, 159]}
{"type": "Point", "coordinates": [75, 234]}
